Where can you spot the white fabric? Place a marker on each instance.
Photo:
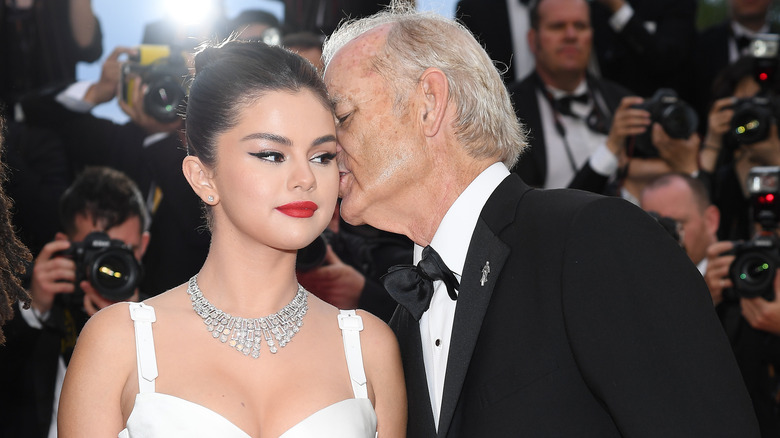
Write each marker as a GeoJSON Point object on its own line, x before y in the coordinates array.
{"type": "Point", "coordinates": [351, 325]}
{"type": "Point", "coordinates": [583, 142]}
{"type": "Point", "coordinates": [519, 24]}
{"type": "Point", "coordinates": [161, 415]}
{"type": "Point", "coordinates": [451, 241]}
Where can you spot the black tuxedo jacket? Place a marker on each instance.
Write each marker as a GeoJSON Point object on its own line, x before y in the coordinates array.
{"type": "Point", "coordinates": [488, 20]}
{"type": "Point", "coordinates": [592, 323]}
{"type": "Point", "coordinates": [639, 59]}
{"type": "Point", "coordinates": [532, 166]}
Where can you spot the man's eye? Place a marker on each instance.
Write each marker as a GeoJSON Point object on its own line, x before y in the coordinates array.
{"type": "Point", "coordinates": [324, 158]}
{"type": "Point", "coordinates": [342, 119]}
{"type": "Point", "coordinates": [275, 157]}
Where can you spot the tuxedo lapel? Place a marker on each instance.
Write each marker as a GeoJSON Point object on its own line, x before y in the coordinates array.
{"type": "Point", "coordinates": [420, 417]}
{"type": "Point", "coordinates": [484, 263]}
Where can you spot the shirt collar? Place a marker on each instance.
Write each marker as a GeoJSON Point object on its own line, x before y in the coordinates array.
{"type": "Point", "coordinates": [453, 236]}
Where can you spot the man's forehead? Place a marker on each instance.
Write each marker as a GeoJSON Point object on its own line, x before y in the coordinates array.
{"type": "Point", "coordinates": [357, 54]}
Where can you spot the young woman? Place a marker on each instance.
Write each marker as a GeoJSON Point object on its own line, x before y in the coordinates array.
{"type": "Point", "coordinates": [241, 349]}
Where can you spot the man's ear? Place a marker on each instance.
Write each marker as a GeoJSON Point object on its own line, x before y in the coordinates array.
{"type": "Point", "coordinates": [712, 219]}
{"type": "Point", "coordinates": [436, 93]}
{"type": "Point", "coordinates": [200, 178]}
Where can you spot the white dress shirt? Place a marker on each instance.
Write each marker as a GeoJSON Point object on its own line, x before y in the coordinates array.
{"type": "Point", "coordinates": [585, 145]}
{"type": "Point", "coordinates": [451, 241]}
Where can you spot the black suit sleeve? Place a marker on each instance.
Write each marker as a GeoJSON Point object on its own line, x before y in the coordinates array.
{"type": "Point", "coordinates": [643, 330]}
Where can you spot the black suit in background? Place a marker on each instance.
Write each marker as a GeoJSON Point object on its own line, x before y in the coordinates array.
{"type": "Point", "coordinates": [644, 61]}
{"type": "Point", "coordinates": [488, 20]}
{"type": "Point", "coordinates": [532, 166]}
{"type": "Point", "coordinates": [179, 242]}
{"type": "Point", "coordinates": [593, 323]}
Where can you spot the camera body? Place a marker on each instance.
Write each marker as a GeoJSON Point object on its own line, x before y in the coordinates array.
{"type": "Point", "coordinates": [108, 264]}
{"type": "Point", "coordinates": [313, 255]}
{"type": "Point", "coordinates": [163, 70]}
{"type": "Point", "coordinates": [753, 270]}
{"type": "Point", "coordinates": [678, 119]}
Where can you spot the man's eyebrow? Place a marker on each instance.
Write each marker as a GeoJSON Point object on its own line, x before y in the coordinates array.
{"type": "Point", "coordinates": [268, 136]}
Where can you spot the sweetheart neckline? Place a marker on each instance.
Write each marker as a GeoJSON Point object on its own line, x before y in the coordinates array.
{"type": "Point", "coordinates": [199, 406]}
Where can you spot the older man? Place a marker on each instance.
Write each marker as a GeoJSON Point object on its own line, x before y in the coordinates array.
{"type": "Point", "coordinates": [543, 313]}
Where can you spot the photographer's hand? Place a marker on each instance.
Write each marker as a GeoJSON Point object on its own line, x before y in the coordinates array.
{"type": "Point", "coordinates": [335, 281]}
{"type": "Point", "coordinates": [717, 275]}
{"type": "Point", "coordinates": [762, 314]}
{"type": "Point", "coordinates": [718, 123]}
{"type": "Point", "coordinates": [108, 85]}
{"type": "Point", "coordinates": [682, 155]}
{"type": "Point", "coordinates": [626, 122]}
{"type": "Point", "coordinates": [51, 274]}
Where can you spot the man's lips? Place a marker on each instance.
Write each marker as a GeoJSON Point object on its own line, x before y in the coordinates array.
{"type": "Point", "coordinates": [298, 209]}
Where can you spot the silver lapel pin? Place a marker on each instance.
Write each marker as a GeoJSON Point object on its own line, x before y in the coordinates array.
{"type": "Point", "coordinates": [485, 272]}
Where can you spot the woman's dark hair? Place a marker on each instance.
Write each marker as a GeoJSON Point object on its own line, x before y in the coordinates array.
{"type": "Point", "coordinates": [232, 75]}
{"type": "Point", "coordinates": [13, 254]}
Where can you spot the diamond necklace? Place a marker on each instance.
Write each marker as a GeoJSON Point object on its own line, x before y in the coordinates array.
{"type": "Point", "coordinates": [246, 334]}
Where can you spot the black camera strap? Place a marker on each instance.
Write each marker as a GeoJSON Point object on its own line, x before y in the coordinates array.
{"type": "Point", "coordinates": [597, 120]}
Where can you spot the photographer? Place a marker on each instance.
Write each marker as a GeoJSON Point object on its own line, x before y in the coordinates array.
{"type": "Point", "coordinates": [40, 340]}
{"type": "Point", "coordinates": [578, 124]}
{"type": "Point", "coordinates": [148, 149]}
{"type": "Point", "coordinates": [743, 281]}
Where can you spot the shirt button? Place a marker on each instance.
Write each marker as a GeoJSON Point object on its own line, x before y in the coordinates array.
{"type": "Point", "coordinates": [438, 342]}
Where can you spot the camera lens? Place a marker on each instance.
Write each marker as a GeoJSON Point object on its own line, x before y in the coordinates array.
{"type": "Point", "coordinates": [163, 98]}
{"type": "Point", "coordinates": [679, 120]}
{"type": "Point", "coordinates": [751, 124]}
{"type": "Point", "coordinates": [752, 274]}
{"type": "Point", "coordinates": [115, 274]}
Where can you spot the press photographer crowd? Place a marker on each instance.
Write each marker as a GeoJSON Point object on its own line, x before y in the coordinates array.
{"type": "Point", "coordinates": [624, 98]}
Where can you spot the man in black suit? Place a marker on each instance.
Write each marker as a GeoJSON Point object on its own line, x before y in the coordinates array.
{"type": "Point", "coordinates": [578, 124]}
{"type": "Point", "coordinates": [501, 27]}
{"type": "Point", "coordinates": [561, 313]}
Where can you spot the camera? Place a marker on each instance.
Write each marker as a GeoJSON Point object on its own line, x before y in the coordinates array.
{"type": "Point", "coordinates": [678, 119]}
{"type": "Point", "coordinates": [753, 270]}
{"type": "Point", "coordinates": [163, 70]}
{"type": "Point", "coordinates": [108, 264]}
{"type": "Point", "coordinates": [752, 118]}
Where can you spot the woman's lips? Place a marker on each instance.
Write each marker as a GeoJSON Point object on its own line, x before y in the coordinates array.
{"type": "Point", "coordinates": [298, 209]}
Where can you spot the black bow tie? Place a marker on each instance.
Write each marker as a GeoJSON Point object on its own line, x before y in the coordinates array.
{"type": "Point", "coordinates": [412, 286]}
{"type": "Point", "coordinates": [563, 103]}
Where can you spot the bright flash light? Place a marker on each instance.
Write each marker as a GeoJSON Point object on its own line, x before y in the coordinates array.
{"type": "Point", "coordinates": [189, 12]}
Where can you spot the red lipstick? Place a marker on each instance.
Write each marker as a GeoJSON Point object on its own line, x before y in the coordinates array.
{"type": "Point", "coordinates": [299, 209]}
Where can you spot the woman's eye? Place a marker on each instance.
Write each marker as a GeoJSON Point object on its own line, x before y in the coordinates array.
{"type": "Point", "coordinates": [324, 158]}
{"type": "Point", "coordinates": [275, 157]}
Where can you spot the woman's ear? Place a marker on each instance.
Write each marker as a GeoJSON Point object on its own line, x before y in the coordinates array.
{"type": "Point", "coordinates": [200, 178]}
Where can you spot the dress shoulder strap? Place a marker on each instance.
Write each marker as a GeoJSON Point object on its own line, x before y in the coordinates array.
{"type": "Point", "coordinates": [143, 316]}
{"type": "Point", "coordinates": [351, 325]}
